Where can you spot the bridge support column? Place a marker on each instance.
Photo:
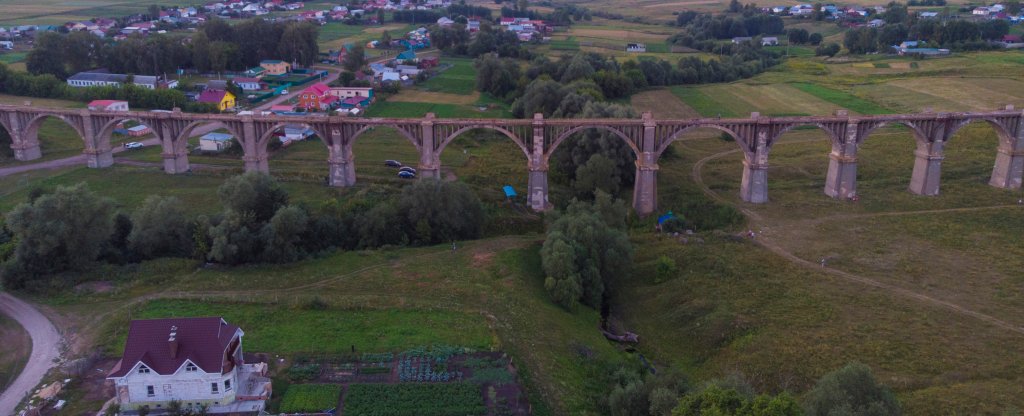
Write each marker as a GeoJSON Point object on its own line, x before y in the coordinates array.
{"type": "Point", "coordinates": [754, 185]}
{"type": "Point", "coordinates": [927, 168]}
{"type": "Point", "coordinates": [175, 162]}
{"type": "Point", "coordinates": [1009, 165]}
{"type": "Point", "coordinates": [255, 158]}
{"type": "Point", "coordinates": [645, 186]}
{"type": "Point", "coordinates": [26, 151]}
{"type": "Point", "coordinates": [537, 185]}
{"type": "Point", "coordinates": [841, 181]}
{"type": "Point", "coordinates": [97, 150]}
{"type": "Point", "coordinates": [341, 162]}
{"type": "Point", "coordinates": [24, 147]}
{"type": "Point", "coordinates": [430, 163]}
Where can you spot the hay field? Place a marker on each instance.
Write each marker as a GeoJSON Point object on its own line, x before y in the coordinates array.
{"type": "Point", "coordinates": [663, 104]}
{"type": "Point", "coordinates": [55, 12]}
{"type": "Point", "coordinates": [945, 94]}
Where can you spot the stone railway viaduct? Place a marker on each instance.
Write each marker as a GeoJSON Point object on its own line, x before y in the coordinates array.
{"type": "Point", "coordinates": [539, 138]}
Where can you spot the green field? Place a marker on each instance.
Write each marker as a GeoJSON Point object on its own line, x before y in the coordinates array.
{"type": "Point", "coordinates": [12, 57]}
{"type": "Point", "coordinates": [415, 399]}
{"type": "Point", "coordinates": [408, 109]}
{"type": "Point", "coordinates": [56, 12]}
{"type": "Point", "coordinates": [568, 44]}
{"type": "Point", "coordinates": [842, 99]}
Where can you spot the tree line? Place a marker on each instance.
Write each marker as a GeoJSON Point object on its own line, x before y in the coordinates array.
{"type": "Point", "coordinates": [956, 35]}
{"type": "Point", "coordinates": [49, 86]}
{"type": "Point", "coordinates": [216, 46]}
{"type": "Point", "coordinates": [48, 240]}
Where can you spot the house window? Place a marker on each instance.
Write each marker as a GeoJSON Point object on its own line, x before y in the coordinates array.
{"type": "Point", "coordinates": [191, 368]}
{"type": "Point", "coordinates": [214, 389]}
{"type": "Point", "coordinates": [227, 385]}
{"type": "Point", "coordinates": [150, 391]}
{"type": "Point", "coordinates": [143, 370]}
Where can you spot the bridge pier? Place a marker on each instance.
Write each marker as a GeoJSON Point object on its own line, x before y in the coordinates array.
{"type": "Point", "coordinates": [537, 186]}
{"type": "Point", "coordinates": [841, 181]}
{"type": "Point", "coordinates": [927, 168]}
{"type": "Point", "coordinates": [97, 158]}
{"type": "Point", "coordinates": [430, 163]}
{"type": "Point", "coordinates": [26, 151]}
{"type": "Point", "coordinates": [645, 187]}
{"type": "Point", "coordinates": [342, 166]}
{"type": "Point", "coordinates": [175, 162]}
{"type": "Point", "coordinates": [1009, 165]}
{"type": "Point", "coordinates": [754, 185]}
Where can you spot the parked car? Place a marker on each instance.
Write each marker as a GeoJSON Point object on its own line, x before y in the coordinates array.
{"type": "Point", "coordinates": [133, 145]}
{"type": "Point", "coordinates": [406, 175]}
{"type": "Point", "coordinates": [392, 163]}
{"type": "Point", "coordinates": [284, 92]}
{"type": "Point", "coordinates": [407, 169]}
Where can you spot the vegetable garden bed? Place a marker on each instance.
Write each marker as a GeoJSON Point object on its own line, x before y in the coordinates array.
{"type": "Point", "coordinates": [304, 398]}
{"type": "Point", "coordinates": [440, 399]}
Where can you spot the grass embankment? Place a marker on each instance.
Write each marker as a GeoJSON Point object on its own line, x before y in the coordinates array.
{"type": "Point", "coordinates": [14, 350]}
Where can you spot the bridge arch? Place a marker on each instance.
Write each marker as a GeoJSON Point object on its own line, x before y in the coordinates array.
{"type": "Point", "coordinates": [678, 134]}
{"type": "Point", "coordinates": [179, 143]}
{"type": "Point", "coordinates": [107, 131]}
{"type": "Point", "coordinates": [1001, 129]}
{"type": "Point", "coordinates": [836, 139]}
{"type": "Point", "coordinates": [566, 134]}
{"type": "Point", "coordinates": [919, 134]}
{"type": "Point", "coordinates": [405, 133]}
{"type": "Point", "coordinates": [31, 129]}
{"type": "Point", "coordinates": [518, 141]}
{"type": "Point", "coordinates": [264, 140]}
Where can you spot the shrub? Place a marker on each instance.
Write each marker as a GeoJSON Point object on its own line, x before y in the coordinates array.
{"type": "Point", "coordinates": [851, 390]}
{"type": "Point", "coordinates": [665, 269]}
{"type": "Point", "coordinates": [159, 227]}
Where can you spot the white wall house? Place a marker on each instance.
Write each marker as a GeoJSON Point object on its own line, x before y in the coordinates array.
{"type": "Point", "coordinates": [197, 361]}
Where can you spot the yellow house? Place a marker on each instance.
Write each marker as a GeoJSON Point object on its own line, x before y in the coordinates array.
{"type": "Point", "coordinates": [223, 99]}
{"type": "Point", "coordinates": [275, 67]}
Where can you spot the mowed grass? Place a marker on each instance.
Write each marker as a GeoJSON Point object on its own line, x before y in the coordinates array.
{"type": "Point", "coordinates": [416, 110]}
{"type": "Point", "coordinates": [842, 99]}
{"type": "Point", "coordinates": [458, 79]}
{"type": "Point", "coordinates": [14, 350]}
{"type": "Point", "coordinates": [12, 57]}
{"type": "Point", "coordinates": [304, 329]}
{"type": "Point", "coordinates": [311, 398]}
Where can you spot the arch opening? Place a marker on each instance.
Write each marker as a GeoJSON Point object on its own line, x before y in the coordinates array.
{"type": "Point", "coordinates": [967, 168]}
{"type": "Point", "coordinates": [885, 162]}
{"type": "Point", "coordinates": [297, 151]}
{"type": "Point", "coordinates": [485, 159]}
{"type": "Point", "coordinates": [6, 141]}
{"type": "Point", "coordinates": [699, 166]}
{"type": "Point", "coordinates": [210, 144]}
{"type": "Point", "coordinates": [588, 158]}
{"type": "Point", "coordinates": [373, 145]}
{"type": "Point", "coordinates": [56, 136]}
{"type": "Point", "coordinates": [798, 166]}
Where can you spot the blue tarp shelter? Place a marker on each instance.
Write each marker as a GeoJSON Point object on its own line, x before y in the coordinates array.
{"type": "Point", "coordinates": [509, 191]}
{"type": "Point", "coordinates": [666, 217]}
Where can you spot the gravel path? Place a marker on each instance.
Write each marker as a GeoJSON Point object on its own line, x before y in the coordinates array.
{"type": "Point", "coordinates": [45, 350]}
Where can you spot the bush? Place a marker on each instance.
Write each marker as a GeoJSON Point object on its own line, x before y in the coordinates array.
{"type": "Point", "coordinates": [159, 227]}
{"type": "Point", "coordinates": [665, 269]}
{"type": "Point", "coordinates": [851, 390]}
{"type": "Point", "coordinates": [63, 231]}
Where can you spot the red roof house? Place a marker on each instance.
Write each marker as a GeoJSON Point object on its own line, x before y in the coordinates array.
{"type": "Point", "coordinates": [312, 98]}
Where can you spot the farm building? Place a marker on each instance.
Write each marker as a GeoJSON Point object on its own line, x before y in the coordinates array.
{"type": "Point", "coordinates": [769, 41]}
{"type": "Point", "coordinates": [197, 361]}
{"type": "Point", "coordinates": [215, 142]}
{"type": "Point", "coordinates": [636, 47]}
{"type": "Point", "coordinates": [248, 84]}
{"type": "Point", "coordinates": [275, 67]}
{"type": "Point", "coordinates": [139, 131]}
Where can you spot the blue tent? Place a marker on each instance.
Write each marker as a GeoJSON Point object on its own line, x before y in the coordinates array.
{"type": "Point", "coordinates": [509, 192]}
{"type": "Point", "coordinates": [666, 217]}
{"type": "Point", "coordinates": [407, 55]}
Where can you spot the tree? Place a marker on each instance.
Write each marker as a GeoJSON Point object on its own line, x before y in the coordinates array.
{"type": "Point", "coordinates": [283, 235]}
{"type": "Point", "coordinates": [725, 401]}
{"type": "Point", "coordinates": [65, 230]}
{"type": "Point", "coordinates": [254, 195]}
{"type": "Point", "coordinates": [830, 50]}
{"type": "Point", "coordinates": [47, 55]}
{"type": "Point", "coordinates": [599, 173]}
{"type": "Point", "coordinates": [436, 211]}
{"type": "Point", "coordinates": [497, 76]}
{"type": "Point", "coordinates": [815, 38]}
{"type": "Point", "coordinates": [735, 6]}
{"type": "Point", "coordinates": [582, 256]}
{"type": "Point", "coordinates": [82, 51]}
{"type": "Point", "coordinates": [355, 59]}
{"type": "Point", "coordinates": [160, 227]}
{"type": "Point", "coordinates": [851, 390]}
{"type": "Point", "coordinates": [299, 43]}
{"type": "Point", "coordinates": [154, 11]}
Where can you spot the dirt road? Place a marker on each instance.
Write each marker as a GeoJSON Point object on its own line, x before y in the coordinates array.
{"type": "Point", "coordinates": [65, 162]}
{"type": "Point", "coordinates": [45, 349]}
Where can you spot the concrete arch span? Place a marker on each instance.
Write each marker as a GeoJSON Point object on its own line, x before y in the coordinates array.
{"type": "Point", "coordinates": [405, 133]}
{"type": "Point", "coordinates": [677, 135]}
{"type": "Point", "coordinates": [631, 142]}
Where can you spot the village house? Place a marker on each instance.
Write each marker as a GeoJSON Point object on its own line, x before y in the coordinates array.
{"type": "Point", "coordinates": [317, 97]}
{"type": "Point", "coordinates": [349, 92]}
{"type": "Point", "coordinates": [139, 130]}
{"type": "Point", "coordinates": [769, 41]}
{"type": "Point", "coordinates": [196, 361]}
{"type": "Point", "coordinates": [636, 47]}
{"type": "Point", "coordinates": [248, 84]}
{"type": "Point", "coordinates": [224, 100]}
{"type": "Point", "coordinates": [108, 105]}
{"type": "Point", "coordinates": [6, 44]}
{"type": "Point", "coordinates": [741, 39]}
{"type": "Point", "coordinates": [275, 67]}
